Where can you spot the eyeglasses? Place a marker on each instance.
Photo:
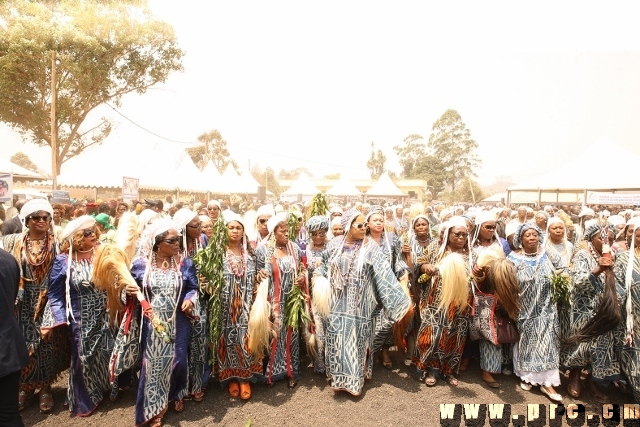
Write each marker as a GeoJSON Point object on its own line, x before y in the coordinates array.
{"type": "Point", "coordinates": [172, 241]}
{"type": "Point", "coordinates": [262, 221]}
{"type": "Point", "coordinates": [37, 218]}
{"type": "Point", "coordinates": [89, 232]}
{"type": "Point", "coordinates": [359, 225]}
{"type": "Point", "coordinates": [319, 234]}
{"type": "Point", "coordinates": [489, 227]}
{"type": "Point", "coordinates": [195, 226]}
{"type": "Point", "coordinates": [462, 234]}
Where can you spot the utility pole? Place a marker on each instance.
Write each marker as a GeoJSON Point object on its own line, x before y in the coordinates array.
{"type": "Point", "coordinates": [54, 126]}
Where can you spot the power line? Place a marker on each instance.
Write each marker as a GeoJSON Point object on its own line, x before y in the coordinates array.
{"type": "Point", "coordinates": [233, 144]}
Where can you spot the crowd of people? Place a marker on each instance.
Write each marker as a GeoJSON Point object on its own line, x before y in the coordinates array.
{"type": "Point", "coordinates": [118, 295]}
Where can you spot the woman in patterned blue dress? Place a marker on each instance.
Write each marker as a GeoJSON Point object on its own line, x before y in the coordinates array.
{"type": "Point", "coordinates": [359, 275]}
{"type": "Point", "coordinates": [74, 298]}
{"type": "Point", "coordinates": [167, 285]}
{"type": "Point", "coordinates": [588, 285]}
{"type": "Point", "coordinates": [536, 355]}
{"type": "Point", "coordinates": [627, 272]}
{"type": "Point", "coordinates": [237, 366]}
{"type": "Point", "coordinates": [281, 260]}
{"type": "Point", "coordinates": [317, 226]}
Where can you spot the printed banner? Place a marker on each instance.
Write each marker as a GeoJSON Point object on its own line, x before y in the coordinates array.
{"type": "Point", "coordinates": [130, 189]}
{"type": "Point", "coordinates": [595, 198]}
{"type": "Point", "coordinates": [6, 187]}
{"type": "Point", "coordinates": [60, 196]}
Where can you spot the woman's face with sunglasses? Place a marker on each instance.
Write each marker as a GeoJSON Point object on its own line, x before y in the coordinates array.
{"type": "Point", "coordinates": [262, 224]}
{"type": "Point", "coordinates": [170, 245]}
{"type": "Point", "coordinates": [487, 230]}
{"type": "Point", "coordinates": [89, 239]}
{"type": "Point", "coordinates": [358, 228]}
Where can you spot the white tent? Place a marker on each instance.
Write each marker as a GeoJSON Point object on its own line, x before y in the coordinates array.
{"type": "Point", "coordinates": [384, 187]}
{"type": "Point", "coordinates": [19, 172]}
{"type": "Point", "coordinates": [211, 177]}
{"type": "Point", "coordinates": [303, 186]}
{"type": "Point", "coordinates": [249, 183]}
{"type": "Point", "coordinates": [344, 187]}
{"type": "Point", "coordinates": [581, 174]}
{"type": "Point", "coordinates": [188, 177]}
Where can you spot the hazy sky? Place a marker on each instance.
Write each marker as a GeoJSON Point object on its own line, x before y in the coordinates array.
{"type": "Point", "coordinates": [312, 84]}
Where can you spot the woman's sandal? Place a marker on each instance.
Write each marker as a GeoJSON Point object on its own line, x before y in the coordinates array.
{"type": "Point", "coordinates": [198, 396]}
{"type": "Point", "coordinates": [430, 380]}
{"type": "Point", "coordinates": [46, 401]}
{"type": "Point", "coordinates": [178, 405]}
{"type": "Point", "coordinates": [234, 389]}
{"type": "Point", "coordinates": [245, 391]}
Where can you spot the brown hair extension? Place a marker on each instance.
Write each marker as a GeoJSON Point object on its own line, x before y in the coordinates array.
{"type": "Point", "coordinates": [503, 276]}
{"type": "Point", "coordinates": [607, 317]}
{"type": "Point", "coordinates": [111, 274]}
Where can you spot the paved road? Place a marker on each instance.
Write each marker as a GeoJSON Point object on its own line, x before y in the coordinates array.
{"type": "Point", "coordinates": [393, 397]}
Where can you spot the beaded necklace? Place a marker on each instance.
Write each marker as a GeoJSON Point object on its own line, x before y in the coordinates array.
{"type": "Point", "coordinates": [237, 263]}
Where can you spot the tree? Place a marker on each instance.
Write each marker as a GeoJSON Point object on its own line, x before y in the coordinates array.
{"type": "Point", "coordinates": [451, 143]}
{"type": "Point", "coordinates": [332, 176]}
{"type": "Point", "coordinates": [409, 153]}
{"type": "Point", "coordinates": [376, 162]}
{"type": "Point", "coordinates": [267, 178]}
{"type": "Point", "coordinates": [91, 60]}
{"type": "Point", "coordinates": [430, 169]}
{"type": "Point", "coordinates": [293, 173]}
{"type": "Point", "coordinates": [213, 148]}
{"type": "Point", "coordinates": [23, 160]}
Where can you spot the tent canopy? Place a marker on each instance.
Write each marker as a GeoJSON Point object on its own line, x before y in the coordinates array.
{"type": "Point", "coordinates": [19, 172]}
{"type": "Point", "coordinates": [303, 186]}
{"type": "Point", "coordinates": [344, 187]}
{"type": "Point", "coordinates": [573, 176]}
{"type": "Point", "coordinates": [384, 187]}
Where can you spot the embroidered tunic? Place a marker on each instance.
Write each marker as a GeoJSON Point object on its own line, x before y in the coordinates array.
{"type": "Point", "coordinates": [235, 361]}
{"type": "Point", "coordinates": [164, 372]}
{"type": "Point", "coordinates": [92, 336]}
{"type": "Point", "coordinates": [284, 354]}
{"type": "Point", "coordinates": [443, 332]}
{"type": "Point", "coordinates": [630, 353]}
{"type": "Point", "coordinates": [359, 277]}
{"type": "Point", "coordinates": [586, 290]}
{"type": "Point", "coordinates": [47, 359]}
{"type": "Point", "coordinates": [536, 355]}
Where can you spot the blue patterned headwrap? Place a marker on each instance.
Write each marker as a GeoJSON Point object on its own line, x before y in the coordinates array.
{"type": "Point", "coordinates": [517, 238]}
{"type": "Point", "coordinates": [376, 209]}
{"type": "Point", "coordinates": [317, 222]}
{"type": "Point", "coordinates": [347, 219]}
{"type": "Point", "coordinates": [595, 229]}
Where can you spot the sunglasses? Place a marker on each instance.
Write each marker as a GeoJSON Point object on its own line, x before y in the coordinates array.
{"type": "Point", "coordinates": [460, 234]}
{"type": "Point", "coordinates": [359, 225]}
{"type": "Point", "coordinates": [89, 232]}
{"type": "Point", "coordinates": [37, 218]}
{"type": "Point", "coordinates": [489, 227]}
{"type": "Point", "coordinates": [172, 241]}
{"type": "Point", "coordinates": [262, 221]}
{"type": "Point", "coordinates": [195, 226]}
